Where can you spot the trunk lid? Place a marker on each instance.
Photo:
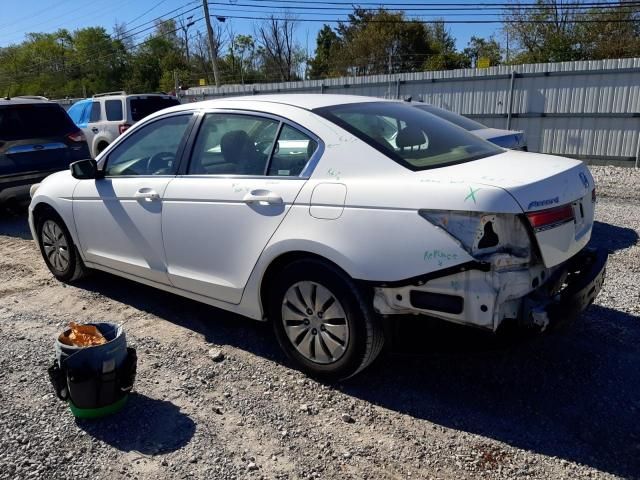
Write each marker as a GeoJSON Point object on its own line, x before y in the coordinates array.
{"type": "Point", "coordinates": [504, 138]}
{"type": "Point", "coordinates": [538, 182]}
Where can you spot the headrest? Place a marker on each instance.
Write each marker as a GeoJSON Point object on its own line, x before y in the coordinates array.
{"type": "Point", "coordinates": [410, 137]}
{"type": "Point", "coordinates": [234, 138]}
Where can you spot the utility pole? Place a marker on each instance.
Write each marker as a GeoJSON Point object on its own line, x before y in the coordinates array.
{"type": "Point", "coordinates": [214, 60]}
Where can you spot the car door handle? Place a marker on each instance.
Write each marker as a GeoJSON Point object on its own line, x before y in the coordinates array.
{"type": "Point", "coordinates": [146, 194]}
{"type": "Point", "coordinates": [262, 196]}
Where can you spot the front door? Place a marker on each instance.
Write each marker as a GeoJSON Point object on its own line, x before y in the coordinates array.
{"type": "Point", "coordinates": [118, 217]}
{"type": "Point", "coordinates": [240, 184]}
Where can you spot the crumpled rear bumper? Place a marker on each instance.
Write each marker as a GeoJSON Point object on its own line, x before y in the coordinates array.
{"type": "Point", "coordinates": [572, 289]}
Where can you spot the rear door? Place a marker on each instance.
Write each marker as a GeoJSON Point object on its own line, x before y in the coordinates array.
{"type": "Point", "coordinates": [36, 137]}
{"type": "Point", "coordinates": [220, 214]}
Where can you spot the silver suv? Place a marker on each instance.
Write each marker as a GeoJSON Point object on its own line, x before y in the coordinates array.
{"type": "Point", "coordinates": [106, 115]}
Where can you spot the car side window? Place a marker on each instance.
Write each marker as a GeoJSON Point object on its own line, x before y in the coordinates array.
{"type": "Point", "coordinates": [95, 112]}
{"type": "Point", "coordinates": [151, 150]}
{"type": "Point", "coordinates": [231, 144]}
{"type": "Point", "coordinates": [113, 108]}
{"type": "Point", "coordinates": [293, 151]}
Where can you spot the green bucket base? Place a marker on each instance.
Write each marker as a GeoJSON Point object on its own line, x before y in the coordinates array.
{"type": "Point", "coordinates": [98, 412]}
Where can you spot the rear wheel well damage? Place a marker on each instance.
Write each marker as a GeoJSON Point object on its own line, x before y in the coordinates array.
{"type": "Point", "coordinates": [280, 263]}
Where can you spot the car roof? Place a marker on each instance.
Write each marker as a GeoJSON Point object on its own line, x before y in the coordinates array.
{"type": "Point", "coordinates": [22, 101]}
{"type": "Point", "coordinates": [129, 95]}
{"type": "Point", "coordinates": [82, 101]}
{"type": "Point", "coordinates": [307, 101]}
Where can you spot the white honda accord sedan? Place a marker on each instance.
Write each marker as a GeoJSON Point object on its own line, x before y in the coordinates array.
{"type": "Point", "coordinates": [300, 210]}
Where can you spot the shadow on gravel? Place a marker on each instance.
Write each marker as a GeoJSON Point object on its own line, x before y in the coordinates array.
{"type": "Point", "coordinates": [573, 394]}
{"type": "Point", "coordinates": [215, 325]}
{"type": "Point", "coordinates": [137, 427]}
{"type": "Point", "coordinates": [14, 223]}
{"type": "Point", "coordinates": [612, 237]}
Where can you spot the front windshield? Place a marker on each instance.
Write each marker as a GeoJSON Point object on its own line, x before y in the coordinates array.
{"type": "Point", "coordinates": [412, 137]}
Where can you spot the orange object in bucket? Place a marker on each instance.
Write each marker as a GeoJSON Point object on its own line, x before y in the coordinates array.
{"type": "Point", "coordinates": [82, 336]}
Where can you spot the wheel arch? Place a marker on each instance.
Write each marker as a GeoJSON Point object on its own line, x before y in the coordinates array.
{"type": "Point", "coordinates": [42, 204]}
{"type": "Point", "coordinates": [281, 261]}
{"type": "Point", "coordinates": [40, 209]}
{"type": "Point", "coordinates": [101, 142]}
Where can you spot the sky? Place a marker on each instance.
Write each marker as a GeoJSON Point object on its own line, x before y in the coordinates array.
{"type": "Point", "coordinates": [49, 16]}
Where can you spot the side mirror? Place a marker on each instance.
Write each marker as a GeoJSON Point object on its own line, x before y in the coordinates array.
{"type": "Point", "coordinates": [84, 169]}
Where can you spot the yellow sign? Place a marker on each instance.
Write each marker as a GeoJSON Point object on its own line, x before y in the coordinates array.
{"type": "Point", "coordinates": [203, 82]}
{"type": "Point", "coordinates": [483, 62]}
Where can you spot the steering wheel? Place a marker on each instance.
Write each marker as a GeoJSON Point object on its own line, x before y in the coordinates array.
{"type": "Point", "coordinates": [160, 163]}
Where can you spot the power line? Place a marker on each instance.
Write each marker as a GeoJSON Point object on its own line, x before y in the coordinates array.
{"type": "Point", "coordinates": [31, 15]}
{"type": "Point", "coordinates": [408, 17]}
{"type": "Point", "coordinates": [35, 67]}
{"type": "Point", "coordinates": [135, 33]}
{"type": "Point", "coordinates": [21, 31]}
{"type": "Point", "coordinates": [151, 9]}
{"type": "Point", "coordinates": [430, 7]}
{"type": "Point", "coordinates": [112, 54]}
{"type": "Point", "coordinates": [160, 19]}
{"type": "Point", "coordinates": [94, 13]}
{"type": "Point", "coordinates": [405, 6]}
{"type": "Point", "coordinates": [435, 20]}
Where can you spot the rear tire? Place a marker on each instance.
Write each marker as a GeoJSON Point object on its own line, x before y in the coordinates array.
{"type": "Point", "coordinates": [57, 248]}
{"type": "Point", "coordinates": [323, 321]}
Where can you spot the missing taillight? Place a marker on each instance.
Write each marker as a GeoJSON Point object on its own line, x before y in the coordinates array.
{"type": "Point", "coordinates": [553, 217]}
{"type": "Point", "coordinates": [123, 128]}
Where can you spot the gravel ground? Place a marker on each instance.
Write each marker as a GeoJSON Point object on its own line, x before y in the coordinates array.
{"type": "Point", "coordinates": [444, 402]}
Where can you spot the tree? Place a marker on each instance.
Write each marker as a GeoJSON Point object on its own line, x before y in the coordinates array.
{"type": "Point", "coordinates": [245, 47]}
{"type": "Point", "coordinates": [381, 41]}
{"type": "Point", "coordinates": [99, 62]}
{"type": "Point", "coordinates": [556, 31]}
{"type": "Point", "coordinates": [327, 44]}
{"type": "Point", "coordinates": [446, 57]}
{"type": "Point", "coordinates": [613, 33]}
{"type": "Point", "coordinates": [544, 34]}
{"type": "Point", "coordinates": [280, 52]}
{"type": "Point", "coordinates": [481, 48]}
{"type": "Point", "coordinates": [121, 33]}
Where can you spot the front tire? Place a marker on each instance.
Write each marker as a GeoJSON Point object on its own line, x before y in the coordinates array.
{"type": "Point", "coordinates": [58, 250]}
{"type": "Point", "coordinates": [323, 321]}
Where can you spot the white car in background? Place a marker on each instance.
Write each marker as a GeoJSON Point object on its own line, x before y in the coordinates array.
{"type": "Point", "coordinates": [292, 209]}
{"type": "Point", "coordinates": [105, 116]}
{"type": "Point", "coordinates": [513, 139]}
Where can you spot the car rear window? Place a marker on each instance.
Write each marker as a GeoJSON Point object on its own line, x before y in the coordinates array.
{"type": "Point", "coordinates": [412, 137]}
{"type": "Point", "coordinates": [143, 106]}
{"type": "Point", "coordinates": [454, 118]}
{"type": "Point", "coordinates": [34, 120]}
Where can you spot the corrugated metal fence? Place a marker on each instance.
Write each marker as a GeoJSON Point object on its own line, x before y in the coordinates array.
{"type": "Point", "coordinates": [587, 109]}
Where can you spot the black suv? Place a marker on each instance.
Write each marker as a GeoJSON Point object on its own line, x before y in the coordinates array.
{"type": "Point", "coordinates": [37, 138]}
